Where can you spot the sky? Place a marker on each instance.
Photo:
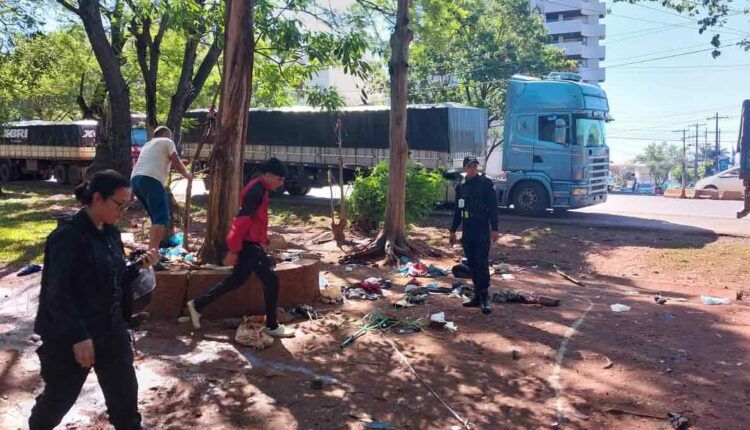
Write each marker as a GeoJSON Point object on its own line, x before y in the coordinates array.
{"type": "Point", "coordinates": [650, 99]}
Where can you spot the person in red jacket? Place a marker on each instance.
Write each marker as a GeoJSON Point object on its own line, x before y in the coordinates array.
{"type": "Point", "coordinates": [246, 241]}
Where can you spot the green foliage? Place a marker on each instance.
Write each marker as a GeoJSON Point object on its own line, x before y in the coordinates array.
{"type": "Point", "coordinates": [465, 50]}
{"type": "Point", "coordinates": [40, 77]}
{"type": "Point", "coordinates": [367, 200]}
{"type": "Point", "coordinates": [328, 99]}
{"type": "Point", "coordinates": [17, 17]}
{"type": "Point", "coordinates": [661, 160]}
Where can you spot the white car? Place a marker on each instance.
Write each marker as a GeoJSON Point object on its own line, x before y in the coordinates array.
{"type": "Point", "coordinates": [728, 180]}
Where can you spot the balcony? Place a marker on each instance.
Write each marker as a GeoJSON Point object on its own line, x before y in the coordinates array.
{"type": "Point", "coordinates": [561, 6]}
{"type": "Point", "coordinates": [593, 51]}
{"type": "Point", "coordinates": [563, 27]}
{"type": "Point", "coordinates": [594, 8]}
{"type": "Point", "coordinates": [571, 48]}
{"type": "Point", "coordinates": [593, 30]}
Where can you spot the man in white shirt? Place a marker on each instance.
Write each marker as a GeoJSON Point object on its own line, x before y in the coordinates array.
{"type": "Point", "coordinates": [149, 175]}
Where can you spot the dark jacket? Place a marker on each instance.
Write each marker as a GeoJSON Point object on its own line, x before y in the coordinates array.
{"type": "Point", "coordinates": [479, 212]}
{"type": "Point", "coordinates": [251, 222]}
{"type": "Point", "coordinates": [85, 282]}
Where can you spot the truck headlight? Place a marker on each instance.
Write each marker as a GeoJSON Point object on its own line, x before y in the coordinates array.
{"type": "Point", "coordinates": [580, 191]}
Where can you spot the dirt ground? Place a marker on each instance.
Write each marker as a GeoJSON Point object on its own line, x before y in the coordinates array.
{"type": "Point", "coordinates": [576, 366]}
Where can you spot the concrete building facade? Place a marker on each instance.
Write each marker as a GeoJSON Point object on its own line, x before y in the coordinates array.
{"type": "Point", "coordinates": [574, 26]}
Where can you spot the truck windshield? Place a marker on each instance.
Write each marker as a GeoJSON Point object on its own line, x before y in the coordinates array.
{"type": "Point", "coordinates": [590, 132]}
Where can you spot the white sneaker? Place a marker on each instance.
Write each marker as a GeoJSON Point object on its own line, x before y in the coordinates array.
{"type": "Point", "coordinates": [280, 331]}
{"type": "Point", "coordinates": [195, 316]}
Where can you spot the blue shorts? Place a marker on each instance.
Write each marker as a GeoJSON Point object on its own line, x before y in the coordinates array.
{"type": "Point", "coordinates": [153, 196]}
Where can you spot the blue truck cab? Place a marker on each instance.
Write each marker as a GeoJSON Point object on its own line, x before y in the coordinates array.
{"type": "Point", "coordinates": [554, 152]}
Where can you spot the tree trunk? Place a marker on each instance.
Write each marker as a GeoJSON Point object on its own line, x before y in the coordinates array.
{"type": "Point", "coordinates": [113, 150]}
{"type": "Point", "coordinates": [392, 240]}
{"type": "Point", "coordinates": [148, 51]}
{"type": "Point", "coordinates": [189, 84]}
{"type": "Point", "coordinates": [187, 90]}
{"type": "Point", "coordinates": [225, 165]}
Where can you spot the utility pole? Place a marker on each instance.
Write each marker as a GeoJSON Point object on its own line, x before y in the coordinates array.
{"type": "Point", "coordinates": [695, 156]}
{"type": "Point", "coordinates": [716, 118]}
{"type": "Point", "coordinates": [684, 150]}
{"type": "Point", "coordinates": [705, 151]}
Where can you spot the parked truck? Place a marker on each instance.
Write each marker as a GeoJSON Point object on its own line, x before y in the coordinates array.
{"type": "Point", "coordinates": [63, 149]}
{"type": "Point", "coordinates": [41, 149]}
{"type": "Point", "coordinates": [554, 153]}
{"type": "Point", "coordinates": [306, 139]}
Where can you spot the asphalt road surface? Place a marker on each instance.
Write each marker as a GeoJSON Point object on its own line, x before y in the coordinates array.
{"type": "Point", "coordinates": [621, 210]}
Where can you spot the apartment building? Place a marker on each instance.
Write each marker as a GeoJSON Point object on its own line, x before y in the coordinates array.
{"type": "Point", "coordinates": [574, 26]}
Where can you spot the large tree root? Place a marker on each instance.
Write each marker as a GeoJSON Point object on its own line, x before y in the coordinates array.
{"type": "Point", "coordinates": [384, 246]}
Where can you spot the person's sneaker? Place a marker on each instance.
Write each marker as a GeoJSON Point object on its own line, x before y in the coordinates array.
{"type": "Point", "coordinates": [473, 303]}
{"type": "Point", "coordinates": [195, 316]}
{"type": "Point", "coordinates": [280, 331]}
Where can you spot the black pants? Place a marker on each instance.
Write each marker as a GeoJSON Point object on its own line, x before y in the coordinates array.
{"type": "Point", "coordinates": [64, 377]}
{"type": "Point", "coordinates": [478, 254]}
{"type": "Point", "coordinates": [252, 259]}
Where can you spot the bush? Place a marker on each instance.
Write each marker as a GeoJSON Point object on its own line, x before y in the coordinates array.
{"type": "Point", "coordinates": [367, 200]}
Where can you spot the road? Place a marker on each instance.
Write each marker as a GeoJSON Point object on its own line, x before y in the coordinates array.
{"type": "Point", "coordinates": [661, 213]}
{"type": "Point", "coordinates": [621, 210]}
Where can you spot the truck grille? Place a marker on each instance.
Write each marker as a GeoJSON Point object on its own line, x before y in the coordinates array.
{"type": "Point", "coordinates": [598, 174]}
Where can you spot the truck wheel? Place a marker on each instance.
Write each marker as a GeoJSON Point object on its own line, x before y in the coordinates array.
{"type": "Point", "coordinates": [296, 189]}
{"type": "Point", "coordinates": [530, 198]}
{"type": "Point", "coordinates": [61, 174]}
{"type": "Point", "coordinates": [75, 175]}
{"type": "Point", "coordinates": [6, 171]}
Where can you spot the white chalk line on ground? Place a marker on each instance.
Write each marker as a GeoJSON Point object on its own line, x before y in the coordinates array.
{"type": "Point", "coordinates": [555, 380]}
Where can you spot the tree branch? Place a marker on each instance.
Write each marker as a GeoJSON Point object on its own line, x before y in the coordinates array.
{"type": "Point", "coordinates": [204, 70]}
{"type": "Point", "coordinates": [69, 6]}
{"type": "Point", "coordinates": [367, 4]}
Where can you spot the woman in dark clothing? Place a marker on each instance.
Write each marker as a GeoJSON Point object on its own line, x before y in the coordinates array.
{"type": "Point", "coordinates": [84, 303]}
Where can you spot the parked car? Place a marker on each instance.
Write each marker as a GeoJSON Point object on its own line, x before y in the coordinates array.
{"type": "Point", "coordinates": [644, 188]}
{"type": "Point", "coordinates": [728, 180]}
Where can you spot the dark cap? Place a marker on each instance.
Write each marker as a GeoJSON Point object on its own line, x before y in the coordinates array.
{"type": "Point", "coordinates": [470, 160]}
{"type": "Point", "coordinates": [273, 166]}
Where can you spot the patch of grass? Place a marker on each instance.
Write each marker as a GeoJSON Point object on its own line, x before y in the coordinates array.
{"type": "Point", "coordinates": [27, 215]}
{"type": "Point", "coordinates": [285, 214]}
{"type": "Point", "coordinates": [714, 256]}
{"type": "Point", "coordinates": [532, 235]}
{"type": "Point", "coordinates": [198, 205]}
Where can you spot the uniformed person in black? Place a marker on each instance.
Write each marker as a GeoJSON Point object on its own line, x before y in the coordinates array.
{"type": "Point", "coordinates": [84, 302]}
{"type": "Point", "coordinates": [476, 210]}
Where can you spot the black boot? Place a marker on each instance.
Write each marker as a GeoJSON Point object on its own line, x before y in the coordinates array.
{"type": "Point", "coordinates": [473, 303]}
{"type": "Point", "coordinates": [485, 305]}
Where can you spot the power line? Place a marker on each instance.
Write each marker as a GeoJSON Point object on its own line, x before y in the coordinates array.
{"type": "Point", "coordinates": [648, 54]}
{"type": "Point", "coordinates": [665, 57]}
{"type": "Point", "coordinates": [707, 66]}
{"type": "Point", "coordinates": [609, 41]}
{"type": "Point", "coordinates": [690, 26]}
{"type": "Point", "coordinates": [660, 139]}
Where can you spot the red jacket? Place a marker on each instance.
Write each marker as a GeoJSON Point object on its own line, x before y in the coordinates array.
{"type": "Point", "coordinates": [251, 222]}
